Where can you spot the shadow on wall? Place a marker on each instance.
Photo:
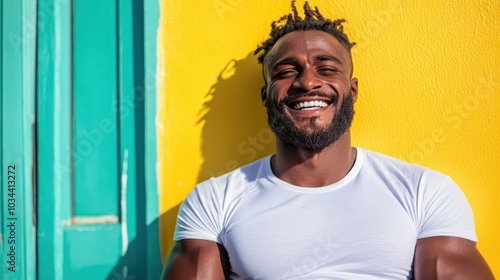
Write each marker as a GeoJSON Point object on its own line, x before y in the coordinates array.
{"type": "Point", "coordinates": [142, 260]}
{"type": "Point", "coordinates": [235, 130]}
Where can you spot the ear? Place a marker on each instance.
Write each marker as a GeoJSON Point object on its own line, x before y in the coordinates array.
{"type": "Point", "coordinates": [263, 94]}
{"type": "Point", "coordinates": [354, 89]}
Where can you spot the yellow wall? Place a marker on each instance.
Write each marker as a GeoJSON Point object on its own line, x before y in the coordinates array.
{"type": "Point", "coordinates": [429, 93]}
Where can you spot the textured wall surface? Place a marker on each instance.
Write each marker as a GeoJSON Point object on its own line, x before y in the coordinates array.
{"type": "Point", "coordinates": [429, 79]}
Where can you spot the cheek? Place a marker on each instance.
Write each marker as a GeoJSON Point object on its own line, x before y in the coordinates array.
{"type": "Point", "coordinates": [273, 93]}
{"type": "Point", "coordinates": [341, 87]}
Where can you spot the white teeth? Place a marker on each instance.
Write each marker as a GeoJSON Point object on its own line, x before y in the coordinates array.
{"type": "Point", "coordinates": [310, 105]}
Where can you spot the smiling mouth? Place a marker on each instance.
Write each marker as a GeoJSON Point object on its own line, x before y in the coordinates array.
{"type": "Point", "coordinates": [309, 105]}
{"type": "Point", "coordinates": [309, 101]}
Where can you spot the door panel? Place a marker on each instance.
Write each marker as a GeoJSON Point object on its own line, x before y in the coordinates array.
{"type": "Point", "coordinates": [91, 250]}
{"type": "Point", "coordinates": [95, 97]}
{"type": "Point", "coordinates": [87, 107]}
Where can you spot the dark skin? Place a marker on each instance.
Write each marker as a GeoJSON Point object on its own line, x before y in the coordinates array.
{"type": "Point", "coordinates": [308, 61]}
{"type": "Point", "coordinates": [197, 259]}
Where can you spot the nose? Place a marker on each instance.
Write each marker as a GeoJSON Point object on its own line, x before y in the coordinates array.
{"type": "Point", "coordinates": [307, 81]}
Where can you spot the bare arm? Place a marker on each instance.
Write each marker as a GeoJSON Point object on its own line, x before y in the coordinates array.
{"type": "Point", "coordinates": [193, 259]}
{"type": "Point", "coordinates": [449, 258]}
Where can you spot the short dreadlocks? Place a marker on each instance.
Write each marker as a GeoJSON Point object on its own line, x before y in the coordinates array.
{"type": "Point", "coordinates": [313, 20]}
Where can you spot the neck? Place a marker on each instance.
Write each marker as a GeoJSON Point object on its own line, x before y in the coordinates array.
{"type": "Point", "coordinates": [307, 168]}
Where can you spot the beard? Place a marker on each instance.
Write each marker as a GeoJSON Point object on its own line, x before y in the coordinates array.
{"type": "Point", "coordinates": [317, 139]}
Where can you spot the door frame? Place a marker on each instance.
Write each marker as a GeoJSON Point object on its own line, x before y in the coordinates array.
{"type": "Point", "coordinates": [17, 86]}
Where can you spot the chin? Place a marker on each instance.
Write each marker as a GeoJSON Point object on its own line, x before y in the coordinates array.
{"type": "Point", "coordinates": [311, 135]}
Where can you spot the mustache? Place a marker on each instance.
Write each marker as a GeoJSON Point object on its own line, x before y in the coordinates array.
{"type": "Point", "coordinates": [333, 97]}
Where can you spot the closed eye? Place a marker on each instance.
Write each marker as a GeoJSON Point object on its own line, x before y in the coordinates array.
{"type": "Point", "coordinates": [285, 74]}
{"type": "Point", "coordinates": [328, 70]}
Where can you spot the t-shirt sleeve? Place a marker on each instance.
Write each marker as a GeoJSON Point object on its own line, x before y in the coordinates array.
{"type": "Point", "coordinates": [199, 215]}
{"type": "Point", "coordinates": [444, 209]}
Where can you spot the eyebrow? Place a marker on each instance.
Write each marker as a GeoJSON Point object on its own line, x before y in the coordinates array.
{"type": "Point", "coordinates": [324, 57]}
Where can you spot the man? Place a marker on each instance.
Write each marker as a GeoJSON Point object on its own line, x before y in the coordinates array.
{"type": "Point", "coordinates": [319, 208]}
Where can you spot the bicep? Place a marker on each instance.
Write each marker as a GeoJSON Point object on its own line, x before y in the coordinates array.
{"type": "Point", "coordinates": [453, 258]}
{"type": "Point", "coordinates": [196, 259]}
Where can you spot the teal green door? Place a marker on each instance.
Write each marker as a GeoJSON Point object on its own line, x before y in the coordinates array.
{"type": "Point", "coordinates": [95, 206]}
{"type": "Point", "coordinates": [17, 92]}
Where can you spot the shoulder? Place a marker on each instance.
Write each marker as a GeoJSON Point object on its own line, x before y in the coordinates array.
{"type": "Point", "coordinates": [209, 205]}
{"type": "Point", "coordinates": [235, 181]}
{"type": "Point", "coordinates": [407, 179]}
{"type": "Point", "coordinates": [385, 161]}
{"type": "Point", "coordinates": [436, 203]}
{"type": "Point", "coordinates": [388, 166]}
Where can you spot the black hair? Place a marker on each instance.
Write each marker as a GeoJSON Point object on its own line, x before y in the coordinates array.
{"type": "Point", "coordinates": [313, 20]}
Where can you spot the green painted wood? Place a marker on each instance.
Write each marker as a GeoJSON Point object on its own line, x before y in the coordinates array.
{"type": "Point", "coordinates": [28, 124]}
{"type": "Point", "coordinates": [54, 138]}
{"type": "Point", "coordinates": [85, 256]}
{"type": "Point", "coordinates": [128, 132]}
{"type": "Point", "coordinates": [83, 246]}
{"type": "Point", "coordinates": [2, 196]}
{"type": "Point", "coordinates": [96, 124]}
{"type": "Point", "coordinates": [60, 239]}
{"type": "Point", "coordinates": [17, 95]}
{"type": "Point", "coordinates": [151, 21]}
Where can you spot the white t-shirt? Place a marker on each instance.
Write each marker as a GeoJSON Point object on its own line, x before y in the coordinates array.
{"type": "Point", "coordinates": [363, 227]}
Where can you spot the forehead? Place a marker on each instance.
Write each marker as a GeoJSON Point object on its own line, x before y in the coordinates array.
{"type": "Point", "coordinates": [309, 42]}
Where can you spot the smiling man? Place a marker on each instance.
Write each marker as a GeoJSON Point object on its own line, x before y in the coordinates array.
{"type": "Point", "coordinates": [319, 208]}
